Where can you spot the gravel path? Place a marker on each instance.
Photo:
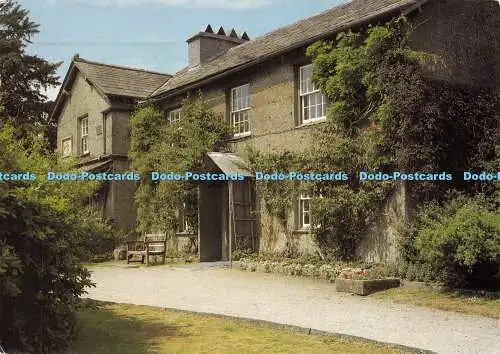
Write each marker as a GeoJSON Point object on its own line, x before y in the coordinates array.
{"type": "Point", "coordinates": [295, 301]}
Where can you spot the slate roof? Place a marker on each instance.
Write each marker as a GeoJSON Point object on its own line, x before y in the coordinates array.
{"type": "Point", "coordinates": [120, 80]}
{"type": "Point", "coordinates": [287, 38]}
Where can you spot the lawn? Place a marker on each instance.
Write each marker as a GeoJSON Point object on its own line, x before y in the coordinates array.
{"type": "Point", "coordinates": [118, 328]}
{"type": "Point", "coordinates": [471, 305]}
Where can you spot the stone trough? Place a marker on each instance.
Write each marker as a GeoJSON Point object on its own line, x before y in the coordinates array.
{"type": "Point", "coordinates": [365, 287]}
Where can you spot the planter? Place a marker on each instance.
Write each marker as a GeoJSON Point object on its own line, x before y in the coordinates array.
{"type": "Point", "coordinates": [365, 287]}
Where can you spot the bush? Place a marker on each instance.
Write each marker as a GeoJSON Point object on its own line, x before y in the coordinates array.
{"type": "Point", "coordinates": [41, 276]}
{"type": "Point", "coordinates": [44, 236]}
{"type": "Point", "coordinates": [100, 238]}
{"type": "Point", "coordinates": [460, 242]}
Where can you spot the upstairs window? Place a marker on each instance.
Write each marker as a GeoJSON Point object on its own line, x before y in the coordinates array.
{"type": "Point", "coordinates": [312, 101]}
{"type": "Point", "coordinates": [240, 110]}
{"type": "Point", "coordinates": [84, 135]}
{"type": "Point", "coordinates": [174, 115]}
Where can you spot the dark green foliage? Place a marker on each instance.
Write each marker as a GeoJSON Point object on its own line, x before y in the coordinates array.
{"type": "Point", "coordinates": [45, 233]}
{"type": "Point", "coordinates": [100, 238]}
{"type": "Point", "coordinates": [387, 113]}
{"type": "Point", "coordinates": [41, 276]}
{"type": "Point", "coordinates": [459, 241]}
{"type": "Point", "coordinates": [22, 75]}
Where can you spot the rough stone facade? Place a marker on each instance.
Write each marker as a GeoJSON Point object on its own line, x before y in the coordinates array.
{"type": "Point", "coordinates": [108, 137]}
{"type": "Point", "coordinates": [465, 33]}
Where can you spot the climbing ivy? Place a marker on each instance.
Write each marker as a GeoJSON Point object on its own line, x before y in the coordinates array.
{"type": "Point", "coordinates": [385, 114]}
{"type": "Point", "coordinates": [157, 145]}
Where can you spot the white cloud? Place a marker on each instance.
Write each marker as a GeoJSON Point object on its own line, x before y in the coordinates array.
{"type": "Point", "coordinates": [223, 4]}
{"type": "Point", "coordinates": [51, 93]}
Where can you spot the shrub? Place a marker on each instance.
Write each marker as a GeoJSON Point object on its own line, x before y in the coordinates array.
{"type": "Point", "coordinates": [44, 235]}
{"type": "Point", "coordinates": [41, 276]}
{"type": "Point", "coordinates": [460, 242]}
{"type": "Point", "coordinates": [101, 239]}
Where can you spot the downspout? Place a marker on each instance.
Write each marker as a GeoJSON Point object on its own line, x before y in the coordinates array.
{"type": "Point", "coordinates": [104, 135]}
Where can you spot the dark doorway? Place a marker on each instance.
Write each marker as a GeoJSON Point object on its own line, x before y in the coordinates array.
{"type": "Point", "coordinates": [211, 204]}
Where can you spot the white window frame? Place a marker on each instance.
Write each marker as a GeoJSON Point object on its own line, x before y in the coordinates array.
{"type": "Point", "coordinates": [63, 143]}
{"type": "Point", "coordinates": [308, 92]}
{"type": "Point", "coordinates": [304, 199]}
{"type": "Point", "coordinates": [174, 115]}
{"type": "Point", "coordinates": [245, 106]}
{"type": "Point", "coordinates": [84, 135]}
{"type": "Point", "coordinates": [183, 226]}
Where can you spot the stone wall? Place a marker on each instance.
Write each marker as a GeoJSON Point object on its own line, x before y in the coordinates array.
{"type": "Point", "coordinates": [84, 101]}
{"type": "Point", "coordinates": [464, 32]}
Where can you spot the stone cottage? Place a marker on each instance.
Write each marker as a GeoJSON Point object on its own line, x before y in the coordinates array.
{"type": "Point", "coordinates": [263, 88]}
{"type": "Point", "coordinates": [92, 111]}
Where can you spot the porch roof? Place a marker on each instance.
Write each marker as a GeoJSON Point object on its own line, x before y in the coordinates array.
{"type": "Point", "coordinates": [230, 163]}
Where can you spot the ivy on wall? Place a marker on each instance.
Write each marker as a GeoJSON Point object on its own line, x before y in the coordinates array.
{"type": "Point", "coordinates": [386, 113]}
{"type": "Point", "coordinates": [157, 145]}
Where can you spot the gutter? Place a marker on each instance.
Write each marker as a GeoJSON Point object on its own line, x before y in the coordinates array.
{"type": "Point", "coordinates": [101, 158]}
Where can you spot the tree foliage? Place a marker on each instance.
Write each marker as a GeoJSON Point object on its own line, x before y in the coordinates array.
{"type": "Point", "coordinates": [22, 75]}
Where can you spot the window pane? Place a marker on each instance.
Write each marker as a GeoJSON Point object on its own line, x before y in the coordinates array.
{"type": "Point", "coordinates": [240, 109]}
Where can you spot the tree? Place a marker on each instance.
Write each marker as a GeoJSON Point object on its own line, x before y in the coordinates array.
{"type": "Point", "coordinates": [22, 76]}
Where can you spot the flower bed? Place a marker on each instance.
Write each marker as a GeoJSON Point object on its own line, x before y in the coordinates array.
{"type": "Point", "coordinates": [294, 268]}
{"type": "Point", "coordinates": [360, 281]}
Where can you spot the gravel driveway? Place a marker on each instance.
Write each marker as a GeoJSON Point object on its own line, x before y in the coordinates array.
{"type": "Point", "coordinates": [295, 301]}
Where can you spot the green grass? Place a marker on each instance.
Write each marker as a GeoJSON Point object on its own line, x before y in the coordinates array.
{"type": "Point", "coordinates": [471, 305]}
{"type": "Point", "coordinates": [117, 328]}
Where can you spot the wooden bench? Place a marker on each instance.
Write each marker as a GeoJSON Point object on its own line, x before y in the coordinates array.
{"type": "Point", "coordinates": [150, 245]}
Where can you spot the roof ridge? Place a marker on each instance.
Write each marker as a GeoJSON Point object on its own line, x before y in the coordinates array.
{"type": "Point", "coordinates": [345, 16]}
{"type": "Point", "coordinates": [82, 60]}
{"type": "Point", "coordinates": [317, 14]}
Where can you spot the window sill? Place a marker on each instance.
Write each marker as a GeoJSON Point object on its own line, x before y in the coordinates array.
{"type": "Point", "coordinates": [240, 136]}
{"type": "Point", "coordinates": [311, 123]}
{"type": "Point", "coordinates": [302, 231]}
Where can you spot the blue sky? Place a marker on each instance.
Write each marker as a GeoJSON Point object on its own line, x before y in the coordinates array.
{"type": "Point", "coordinates": [150, 34]}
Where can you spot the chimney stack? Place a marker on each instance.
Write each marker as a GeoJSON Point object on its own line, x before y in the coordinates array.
{"type": "Point", "coordinates": [207, 45]}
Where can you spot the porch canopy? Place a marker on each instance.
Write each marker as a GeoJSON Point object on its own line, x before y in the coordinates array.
{"type": "Point", "coordinates": [225, 208]}
{"type": "Point", "coordinates": [227, 163]}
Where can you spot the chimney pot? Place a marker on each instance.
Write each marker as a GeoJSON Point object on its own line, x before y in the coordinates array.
{"type": "Point", "coordinates": [209, 29]}
{"type": "Point", "coordinates": [206, 46]}
{"type": "Point", "coordinates": [221, 31]}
